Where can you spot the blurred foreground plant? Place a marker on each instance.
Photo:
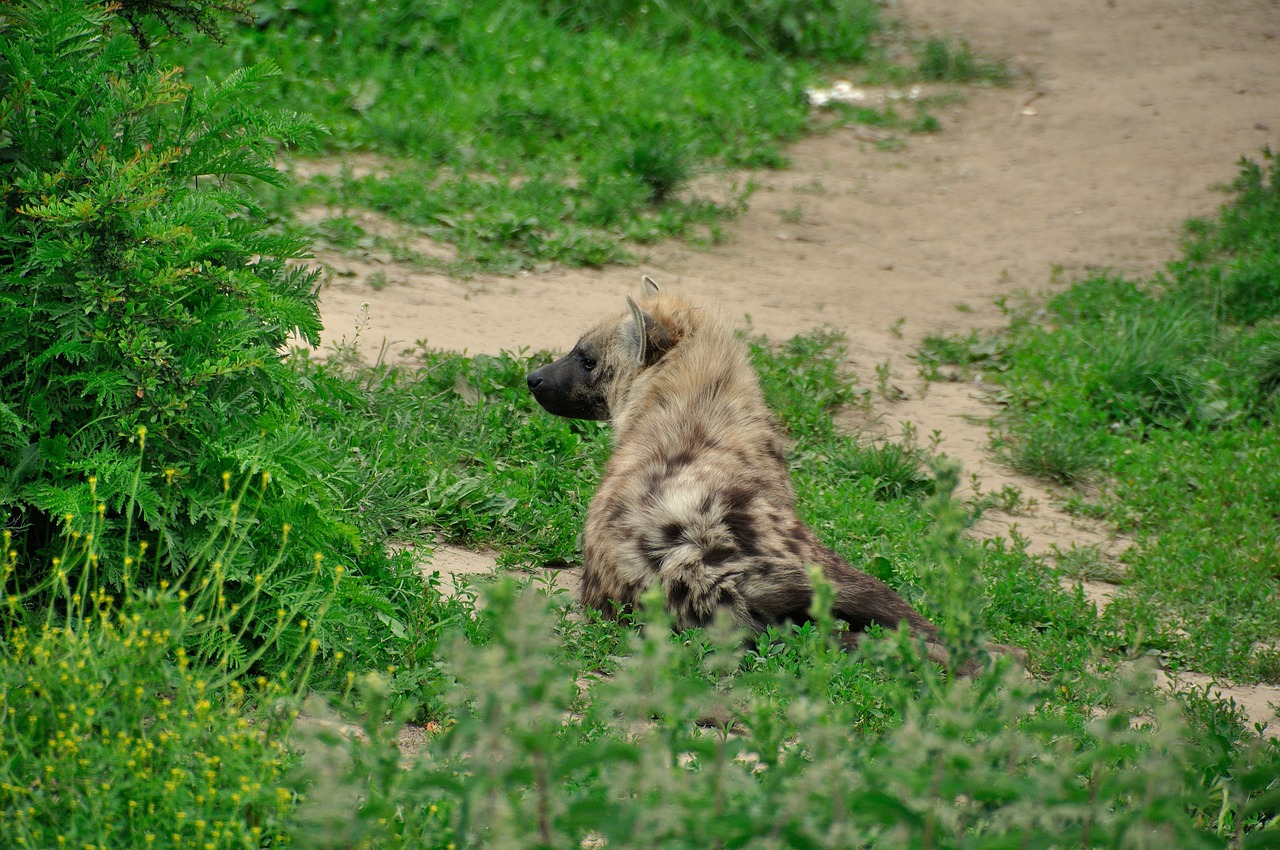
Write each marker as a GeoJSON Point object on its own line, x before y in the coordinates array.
{"type": "Point", "coordinates": [675, 750]}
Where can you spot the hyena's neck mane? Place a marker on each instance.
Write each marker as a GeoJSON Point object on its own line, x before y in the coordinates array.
{"type": "Point", "coordinates": [704, 383]}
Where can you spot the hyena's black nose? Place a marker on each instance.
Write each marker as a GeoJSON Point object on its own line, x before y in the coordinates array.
{"type": "Point", "coordinates": [534, 380]}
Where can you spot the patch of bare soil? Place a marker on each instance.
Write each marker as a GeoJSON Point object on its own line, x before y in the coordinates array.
{"type": "Point", "coordinates": [1125, 117]}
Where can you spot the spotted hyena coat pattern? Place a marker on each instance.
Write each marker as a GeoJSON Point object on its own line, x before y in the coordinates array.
{"type": "Point", "coordinates": [697, 496]}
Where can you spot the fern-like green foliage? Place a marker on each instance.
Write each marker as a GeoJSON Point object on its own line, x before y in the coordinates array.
{"type": "Point", "coordinates": [142, 292]}
{"type": "Point", "coordinates": [204, 15]}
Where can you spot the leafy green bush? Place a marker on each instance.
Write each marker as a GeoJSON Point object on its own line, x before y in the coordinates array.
{"type": "Point", "coordinates": [140, 288]}
{"type": "Point", "coordinates": [145, 300]}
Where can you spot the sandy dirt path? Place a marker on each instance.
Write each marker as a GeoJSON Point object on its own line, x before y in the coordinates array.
{"type": "Point", "coordinates": [1124, 118]}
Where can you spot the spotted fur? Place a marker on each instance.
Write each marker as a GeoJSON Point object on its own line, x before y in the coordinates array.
{"type": "Point", "coordinates": [697, 496]}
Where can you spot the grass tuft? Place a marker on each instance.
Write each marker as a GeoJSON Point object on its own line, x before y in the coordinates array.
{"type": "Point", "coordinates": [942, 60]}
{"type": "Point", "coordinates": [1042, 449]}
{"type": "Point", "coordinates": [660, 160]}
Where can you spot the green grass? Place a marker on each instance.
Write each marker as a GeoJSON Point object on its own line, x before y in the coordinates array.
{"type": "Point", "coordinates": [526, 132]}
{"type": "Point", "coordinates": [1161, 394]}
{"type": "Point", "coordinates": [1232, 261]}
{"type": "Point", "coordinates": [456, 446]}
{"type": "Point", "coordinates": [971, 352]}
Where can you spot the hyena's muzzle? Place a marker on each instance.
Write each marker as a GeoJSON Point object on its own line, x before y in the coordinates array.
{"type": "Point", "coordinates": [572, 387]}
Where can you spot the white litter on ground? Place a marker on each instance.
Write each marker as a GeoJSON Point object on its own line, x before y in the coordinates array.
{"type": "Point", "coordinates": [843, 91]}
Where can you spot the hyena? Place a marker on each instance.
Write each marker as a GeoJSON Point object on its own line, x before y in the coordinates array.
{"type": "Point", "coordinates": [697, 496]}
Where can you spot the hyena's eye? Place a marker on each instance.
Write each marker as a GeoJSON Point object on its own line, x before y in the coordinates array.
{"type": "Point", "coordinates": [588, 363]}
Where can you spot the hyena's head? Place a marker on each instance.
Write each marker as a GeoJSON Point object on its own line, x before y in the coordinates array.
{"type": "Point", "coordinates": [591, 381]}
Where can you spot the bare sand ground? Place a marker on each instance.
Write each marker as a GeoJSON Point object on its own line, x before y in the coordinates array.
{"type": "Point", "coordinates": [1124, 119]}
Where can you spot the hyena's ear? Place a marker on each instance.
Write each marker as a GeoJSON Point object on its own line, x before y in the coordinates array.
{"type": "Point", "coordinates": [647, 339]}
{"type": "Point", "coordinates": [650, 286]}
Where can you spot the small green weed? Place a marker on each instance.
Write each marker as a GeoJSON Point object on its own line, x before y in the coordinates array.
{"type": "Point", "coordinates": [970, 353]}
{"type": "Point", "coordinates": [1086, 562]}
{"type": "Point", "coordinates": [1008, 499]}
{"type": "Point", "coordinates": [884, 383]}
{"type": "Point", "coordinates": [341, 232]}
{"type": "Point", "coordinates": [1043, 449]}
{"type": "Point", "coordinates": [812, 187]}
{"type": "Point", "coordinates": [792, 215]}
{"type": "Point", "coordinates": [805, 380]}
{"type": "Point", "coordinates": [942, 60]}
